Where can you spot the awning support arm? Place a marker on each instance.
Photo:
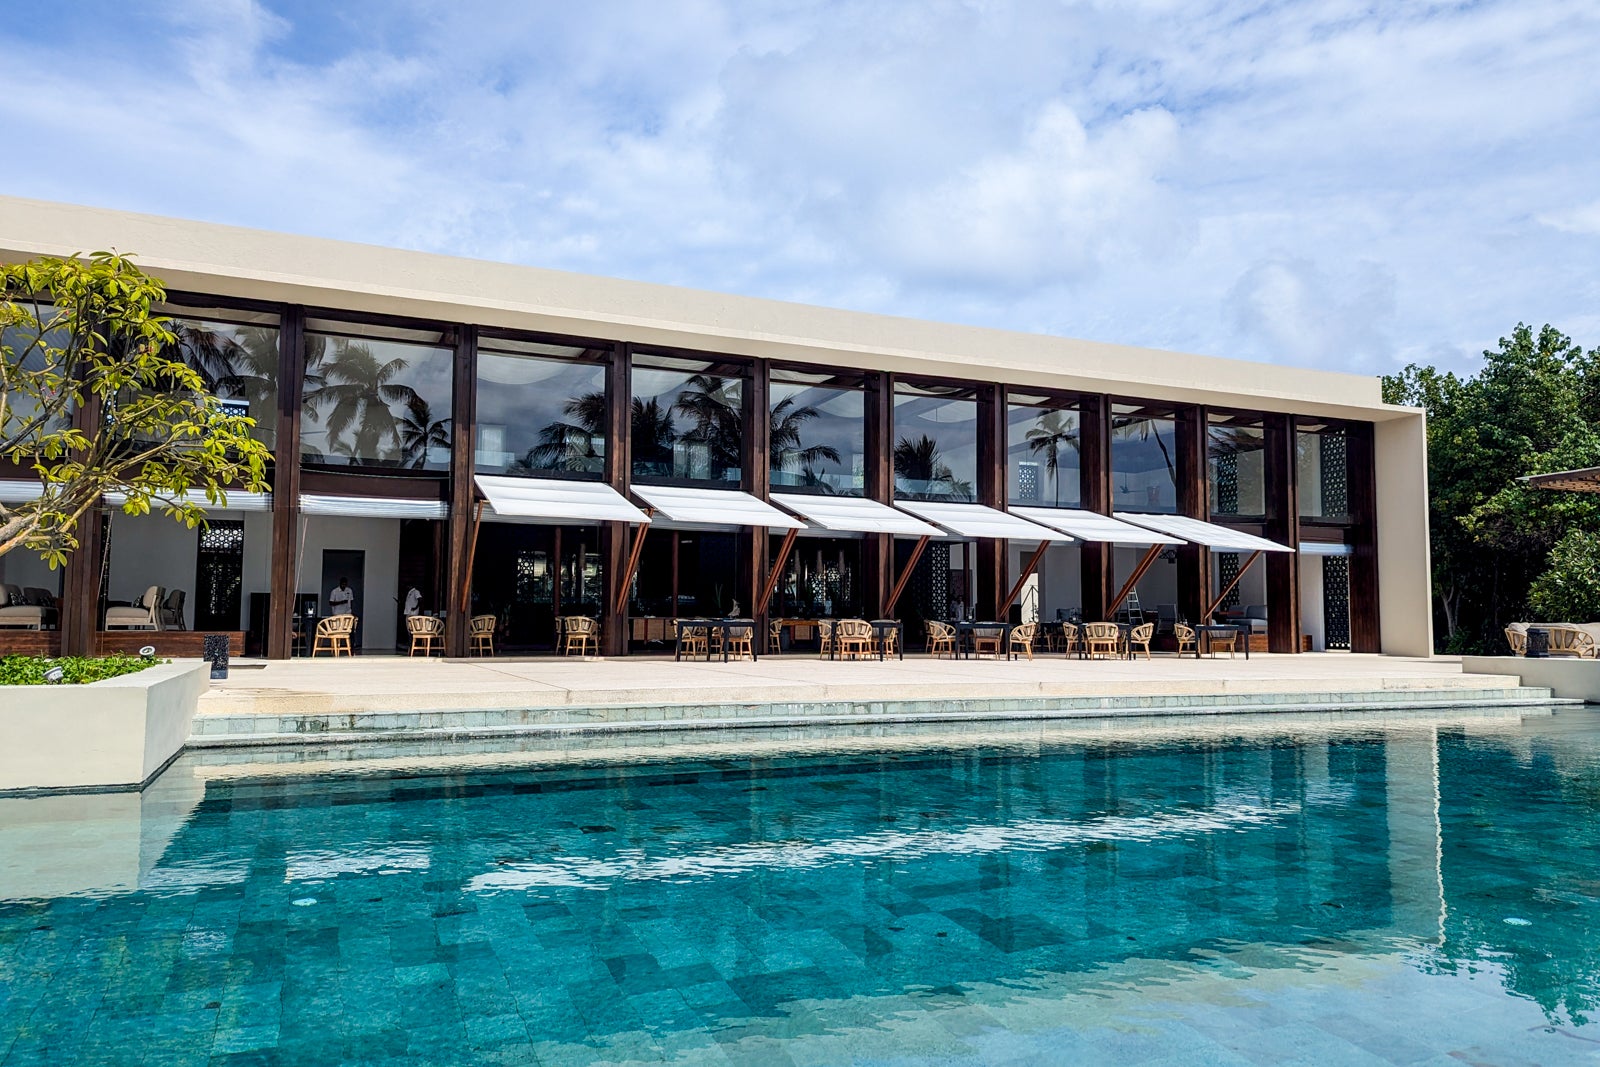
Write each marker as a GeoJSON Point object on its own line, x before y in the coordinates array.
{"type": "Point", "coordinates": [1016, 590]}
{"type": "Point", "coordinates": [1133, 579]}
{"type": "Point", "coordinates": [905, 575]}
{"type": "Point", "coordinates": [640, 529]}
{"type": "Point", "coordinates": [1217, 603]}
{"type": "Point", "coordinates": [771, 584]}
{"type": "Point", "coordinates": [472, 552]}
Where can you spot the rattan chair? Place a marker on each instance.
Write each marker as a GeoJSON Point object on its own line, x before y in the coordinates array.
{"type": "Point", "coordinates": [890, 639]}
{"type": "Point", "coordinates": [481, 629]}
{"type": "Point", "coordinates": [427, 634]}
{"type": "Point", "coordinates": [692, 641]}
{"type": "Point", "coordinates": [1101, 639]}
{"type": "Point", "coordinates": [1069, 638]}
{"type": "Point", "coordinates": [1185, 636]}
{"type": "Point", "coordinates": [582, 635]}
{"type": "Point", "coordinates": [741, 639]}
{"type": "Point", "coordinates": [986, 639]}
{"type": "Point", "coordinates": [854, 637]}
{"type": "Point", "coordinates": [941, 638]}
{"type": "Point", "coordinates": [1228, 639]}
{"type": "Point", "coordinates": [333, 635]}
{"type": "Point", "coordinates": [1139, 637]}
{"type": "Point", "coordinates": [775, 637]}
{"type": "Point", "coordinates": [1022, 638]}
{"type": "Point", "coordinates": [825, 637]}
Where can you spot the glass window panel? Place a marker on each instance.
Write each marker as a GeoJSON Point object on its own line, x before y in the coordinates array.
{"type": "Point", "coordinates": [1144, 461]}
{"type": "Point", "coordinates": [817, 439]}
{"type": "Point", "coordinates": [26, 346]}
{"type": "Point", "coordinates": [239, 362]}
{"type": "Point", "coordinates": [1236, 469]}
{"type": "Point", "coordinates": [1324, 480]}
{"type": "Point", "coordinates": [1042, 465]}
{"type": "Point", "coordinates": [540, 416]}
{"type": "Point", "coordinates": [372, 402]}
{"type": "Point", "coordinates": [687, 424]}
{"type": "Point", "coordinates": [935, 444]}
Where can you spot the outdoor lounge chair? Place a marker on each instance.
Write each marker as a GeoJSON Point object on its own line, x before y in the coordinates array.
{"type": "Point", "coordinates": [172, 610]}
{"type": "Point", "coordinates": [1517, 638]}
{"type": "Point", "coordinates": [1569, 640]}
{"type": "Point", "coordinates": [145, 614]}
{"type": "Point", "coordinates": [30, 609]}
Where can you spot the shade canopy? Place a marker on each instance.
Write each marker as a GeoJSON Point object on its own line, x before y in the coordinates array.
{"type": "Point", "coordinates": [978, 520]}
{"type": "Point", "coordinates": [1093, 526]}
{"type": "Point", "coordinates": [853, 514]}
{"type": "Point", "coordinates": [1209, 534]}
{"type": "Point", "coordinates": [238, 500]}
{"type": "Point", "coordinates": [372, 507]}
{"type": "Point", "coordinates": [1583, 480]}
{"type": "Point", "coordinates": [554, 500]}
{"type": "Point", "coordinates": [693, 506]}
{"type": "Point", "coordinates": [19, 490]}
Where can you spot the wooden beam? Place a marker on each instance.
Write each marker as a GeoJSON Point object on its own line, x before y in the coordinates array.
{"type": "Point", "coordinates": [462, 489]}
{"type": "Point", "coordinates": [1133, 579]}
{"type": "Point", "coordinates": [1217, 603]}
{"type": "Point", "coordinates": [472, 555]}
{"type": "Point", "coordinates": [905, 575]}
{"type": "Point", "coordinates": [1016, 590]}
{"type": "Point", "coordinates": [771, 584]}
{"type": "Point", "coordinates": [633, 566]}
{"type": "Point", "coordinates": [284, 557]}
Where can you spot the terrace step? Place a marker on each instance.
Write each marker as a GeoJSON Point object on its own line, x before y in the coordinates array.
{"type": "Point", "coordinates": [226, 728]}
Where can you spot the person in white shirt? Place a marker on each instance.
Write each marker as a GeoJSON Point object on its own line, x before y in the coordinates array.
{"type": "Point", "coordinates": [413, 601]}
{"type": "Point", "coordinates": [342, 600]}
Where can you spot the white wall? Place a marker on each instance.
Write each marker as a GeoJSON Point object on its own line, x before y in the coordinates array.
{"type": "Point", "coordinates": [151, 550]}
{"type": "Point", "coordinates": [380, 540]}
{"type": "Point", "coordinates": [1311, 621]}
{"type": "Point", "coordinates": [1405, 584]}
{"type": "Point", "coordinates": [24, 568]}
{"type": "Point", "coordinates": [257, 561]}
{"type": "Point", "coordinates": [1060, 580]}
{"type": "Point", "coordinates": [1159, 584]}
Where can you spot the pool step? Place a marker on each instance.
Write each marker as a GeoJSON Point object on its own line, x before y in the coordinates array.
{"type": "Point", "coordinates": [274, 728]}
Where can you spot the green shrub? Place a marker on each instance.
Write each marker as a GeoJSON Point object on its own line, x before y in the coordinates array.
{"type": "Point", "coordinates": [29, 670]}
{"type": "Point", "coordinates": [1570, 590]}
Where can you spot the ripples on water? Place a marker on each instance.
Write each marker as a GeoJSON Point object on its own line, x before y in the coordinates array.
{"type": "Point", "coordinates": [1248, 891]}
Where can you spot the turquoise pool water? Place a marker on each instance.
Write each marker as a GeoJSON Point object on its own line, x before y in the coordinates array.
{"type": "Point", "coordinates": [1311, 891]}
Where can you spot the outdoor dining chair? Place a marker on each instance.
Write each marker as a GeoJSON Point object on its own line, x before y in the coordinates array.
{"type": "Point", "coordinates": [740, 639]}
{"type": "Point", "coordinates": [1022, 639]}
{"type": "Point", "coordinates": [854, 637]}
{"type": "Point", "coordinates": [1100, 639]}
{"type": "Point", "coordinates": [825, 637]}
{"type": "Point", "coordinates": [482, 630]}
{"type": "Point", "coordinates": [333, 635]}
{"type": "Point", "coordinates": [775, 637]}
{"type": "Point", "coordinates": [1139, 637]}
{"type": "Point", "coordinates": [427, 634]}
{"type": "Point", "coordinates": [1069, 637]}
{"type": "Point", "coordinates": [987, 639]}
{"type": "Point", "coordinates": [941, 638]}
{"type": "Point", "coordinates": [1185, 635]}
{"type": "Point", "coordinates": [583, 634]}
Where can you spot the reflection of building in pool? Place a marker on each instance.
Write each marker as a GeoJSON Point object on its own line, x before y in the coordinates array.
{"type": "Point", "coordinates": [396, 388]}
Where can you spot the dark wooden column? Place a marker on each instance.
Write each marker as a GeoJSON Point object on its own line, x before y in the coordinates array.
{"type": "Point", "coordinates": [463, 507]}
{"type": "Point", "coordinates": [1283, 526]}
{"type": "Point", "coordinates": [286, 482]}
{"type": "Point", "coordinates": [877, 461]}
{"type": "Point", "coordinates": [1362, 472]}
{"type": "Point", "coordinates": [1194, 500]}
{"type": "Point", "coordinates": [79, 619]}
{"type": "Point", "coordinates": [1094, 458]}
{"type": "Point", "coordinates": [755, 457]}
{"type": "Point", "coordinates": [615, 542]}
{"type": "Point", "coordinates": [991, 555]}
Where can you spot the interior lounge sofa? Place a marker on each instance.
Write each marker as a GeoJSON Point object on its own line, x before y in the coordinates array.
{"type": "Point", "coordinates": [28, 609]}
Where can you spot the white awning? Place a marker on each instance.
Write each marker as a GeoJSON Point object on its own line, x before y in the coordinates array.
{"type": "Point", "coordinates": [714, 507]}
{"type": "Point", "coordinates": [1209, 534]}
{"type": "Point", "coordinates": [372, 507]}
{"type": "Point", "coordinates": [1093, 526]}
{"type": "Point", "coordinates": [853, 514]}
{"type": "Point", "coordinates": [19, 490]}
{"type": "Point", "coordinates": [555, 500]}
{"type": "Point", "coordinates": [977, 520]}
{"type": "Point", "coordinates": [1326, 548]}
{"type": "Point", "coordinates": [237, 501]}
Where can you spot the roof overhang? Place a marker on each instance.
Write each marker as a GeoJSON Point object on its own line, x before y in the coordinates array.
{"type": "Point", "coordinates": [1209, 534]}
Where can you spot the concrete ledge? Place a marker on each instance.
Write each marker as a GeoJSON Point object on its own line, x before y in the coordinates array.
{"type": "Point", "coordinates": [115, 734]}
{"type": "Point", "coordinates": [1565, 676]}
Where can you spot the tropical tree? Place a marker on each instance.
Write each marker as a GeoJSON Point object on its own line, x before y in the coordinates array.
{"type": "Point", "coordinates": [358, 394]}
{"type": "Point", "coordinates": [1146, 429]}
{"type": "Point", "coordinates": [919, 463]}
{"type": "Point", "coordinates": [714, 404]}
{"type": "Point", "coordinates": [419, 433]}
{"type": "Point", "coordinates": [1053, 435]}
{"type": "Point", "coordinates": [572, 445]}
{"type": "Point", "coordinates": [788, 450]}
{"type": "Point", "coordinates": [92, 400]}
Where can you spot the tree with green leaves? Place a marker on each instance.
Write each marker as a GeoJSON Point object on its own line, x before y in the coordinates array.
{"type": "Point", "coordinates": [95, 398]}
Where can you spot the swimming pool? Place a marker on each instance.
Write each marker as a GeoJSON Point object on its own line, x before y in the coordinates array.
{"type": "Point", "coordinates": [1318, 890]}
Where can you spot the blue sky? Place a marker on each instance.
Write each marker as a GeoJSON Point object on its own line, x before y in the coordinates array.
{"type": "Point", "coordinates": [1334, 184]}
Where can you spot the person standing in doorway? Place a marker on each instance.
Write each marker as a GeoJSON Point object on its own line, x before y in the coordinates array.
{"type": "Point", "coordinates": [342, 601]}
{"type": "Point", "coordinates": [413, 601]}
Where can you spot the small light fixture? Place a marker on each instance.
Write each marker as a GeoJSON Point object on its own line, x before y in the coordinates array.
{"type": "Point", "coordinates": [148, 651]}
{"type": "Point", "coordinates": [55, 674]}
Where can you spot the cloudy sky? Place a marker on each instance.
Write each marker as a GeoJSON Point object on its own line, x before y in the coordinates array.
{"type": "Point", "coordinates": [1330, 183]}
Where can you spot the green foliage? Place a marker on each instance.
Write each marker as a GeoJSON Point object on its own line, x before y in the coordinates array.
{"type": "Point", "coordinates": [1532, 408]}
{"type": "Point", "coordinates": [93, 401]}
{"type": "Point", "coordinates": [77, 670]}
{"type": "Point", "coordinates": [1570, 589]}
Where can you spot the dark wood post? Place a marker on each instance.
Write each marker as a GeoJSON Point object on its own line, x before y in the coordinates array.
{"type": "Point", "coordinates": [1281, 477]}
{"type": "Point", "coordinates": [286, 483]}
{"type": "Point", "coordinates": [877, 462]}
{"type": "Point", "coordinates": [756, 479]}
{"type": "Point", "coordinates": [989, 598]}
{"type": "Point", "coordinates": [463, 511]}
{"type": "Point", "coordinates": [1194, 500]}
{"type": "Point", "coordinates": [614, 537]}
{"type": "Point", "coordinates": [1094, 458]}
{"type": "Point", "coordinates": [1362, 475]}
{"type": "Point", "coordinates": [81, 585]}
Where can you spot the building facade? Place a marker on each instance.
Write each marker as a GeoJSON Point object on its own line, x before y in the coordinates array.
{"type": "Point", "coordinates": [477, 438]}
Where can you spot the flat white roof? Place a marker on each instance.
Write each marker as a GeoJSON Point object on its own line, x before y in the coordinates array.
{"type": "Point", "coordinates": [1208, 534]}
{"type": "Point", "coordinates": [978, 520]}
{"type": "Point", "coordinates": [230, 261]}
{"type": "Point", "coordinates": [714, 507]}
{"type": "Point", "coordinates": [853, 514]}
{"type": "Point", "coordinates": [1093, 526]}
{"type": "Point", "coordinates": [555, 500]}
